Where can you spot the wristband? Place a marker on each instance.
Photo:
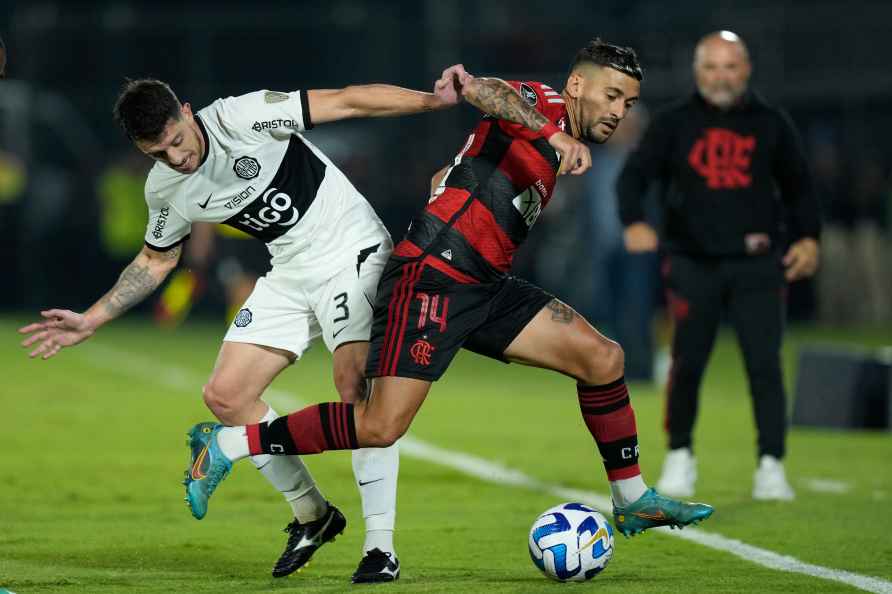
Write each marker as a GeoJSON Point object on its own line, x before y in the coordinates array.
{"type": "Point", "coordinates": [549, 130]}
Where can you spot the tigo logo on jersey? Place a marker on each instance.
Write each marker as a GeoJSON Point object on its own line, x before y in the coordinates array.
{"type": "Point", "coordinates": [280, 210]}
{"type": "Point", "coordinates": [246, 167]}
{"type": "Point", "coordinates": [722, 157]}
{"type": "Point", "coordinates": [243, 317]}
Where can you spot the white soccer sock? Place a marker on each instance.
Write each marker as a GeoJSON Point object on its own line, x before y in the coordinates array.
{"type": "Point", "coordinates": [626, 491]}
{"type": "Point", "coordinates": [292, 479]}
{"type": "Point", "coordinates": [233, 441]}
{"type": "Point", "coordinates": [376, 471]}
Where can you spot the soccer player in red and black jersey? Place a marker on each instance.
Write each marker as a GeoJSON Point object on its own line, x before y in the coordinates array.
{"type": "Point", "coordinates": [447, 285]}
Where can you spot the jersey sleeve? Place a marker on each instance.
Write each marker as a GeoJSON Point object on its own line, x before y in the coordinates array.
{"type": "Point", "coordinates": [257, 116]}
{"type": "Point", "coordinates": [166, 228]}
{"type": "Point", "coordinates": [543, 99]}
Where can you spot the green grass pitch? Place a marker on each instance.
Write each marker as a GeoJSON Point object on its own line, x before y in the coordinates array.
{"type": "Point", "coordinates": [92, 453]}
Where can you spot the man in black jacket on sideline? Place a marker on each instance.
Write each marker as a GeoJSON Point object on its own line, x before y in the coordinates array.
{"type": "Point", "coordinates": [733, 171]}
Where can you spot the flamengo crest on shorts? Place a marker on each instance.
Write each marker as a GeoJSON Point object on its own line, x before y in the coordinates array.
{"type": "Point", "coordinates": [243, 317]}
{"type": "Point", "coordinates": [421, 352]}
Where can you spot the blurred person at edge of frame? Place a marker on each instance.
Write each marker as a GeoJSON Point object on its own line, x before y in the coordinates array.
{"type": "Point", "coordinates": [733, 168]}
{"type": "Point", "coordinates": [624, 284]}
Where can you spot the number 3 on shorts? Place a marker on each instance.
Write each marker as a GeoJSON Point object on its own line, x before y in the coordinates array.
{"type": "Point", "coordinates": [341, 303]}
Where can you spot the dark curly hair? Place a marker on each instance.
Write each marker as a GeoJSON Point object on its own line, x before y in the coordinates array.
{"type": "Point", "coordinates": [144, 107]}
{"type": "Point", "coordinates": [601, 53]}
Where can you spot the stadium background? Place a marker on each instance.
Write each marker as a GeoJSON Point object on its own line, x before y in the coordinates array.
{"type": "Point", "coordinates": [71, 214]}
{"type": "Point", "coordinates": [827, 66]}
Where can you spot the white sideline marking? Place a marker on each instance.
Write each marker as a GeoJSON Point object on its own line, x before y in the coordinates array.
{"type": "Point", "coordinates": [820, 485]}
{"type": "Point", "coordinates": [179, 378]}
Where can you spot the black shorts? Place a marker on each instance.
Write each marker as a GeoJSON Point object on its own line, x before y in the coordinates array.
{"type": "Point", "coordinates": [422, 318]}
{"type": "Point", "coordinates": [241, 257]}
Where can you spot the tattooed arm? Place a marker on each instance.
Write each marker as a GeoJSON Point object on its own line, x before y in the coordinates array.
{"type": "Point", "coordinates": [138, 281]}
{"type": "Point", "coordinates": [63, 328]}
{"type": "Point", "coordinates": [499, 99]}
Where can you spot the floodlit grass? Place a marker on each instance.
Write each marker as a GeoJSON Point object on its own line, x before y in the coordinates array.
{"type": "Point", "coordinates": [92, 453]}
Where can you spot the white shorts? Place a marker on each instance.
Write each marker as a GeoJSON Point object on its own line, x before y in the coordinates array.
{"type": "Point", "coordinates": [288, 312]}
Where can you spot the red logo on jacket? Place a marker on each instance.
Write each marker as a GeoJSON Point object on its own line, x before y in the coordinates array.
{"type": "Point", "coordinates": [723, 157]}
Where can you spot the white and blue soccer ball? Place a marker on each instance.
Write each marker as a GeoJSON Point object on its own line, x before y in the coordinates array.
{"type": "Point", "coordinates": [571, 542]}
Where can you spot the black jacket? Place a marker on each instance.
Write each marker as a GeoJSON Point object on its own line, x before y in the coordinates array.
{"type": "Point", "coordinates": [725, 175]}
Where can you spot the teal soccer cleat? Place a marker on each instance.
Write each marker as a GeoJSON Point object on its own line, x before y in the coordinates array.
{"type": "Point", "coordinates": [652, 510]}
{"type": "Point", "coordinates": [208, 467]}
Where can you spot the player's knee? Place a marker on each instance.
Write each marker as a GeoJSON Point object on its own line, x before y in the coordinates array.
{"type": "Point", "coordinates": [381, 434]}
{"type": "Point", "coordinates": [605, 363]}
{"type": "Point", "coordinates": [222, 400]}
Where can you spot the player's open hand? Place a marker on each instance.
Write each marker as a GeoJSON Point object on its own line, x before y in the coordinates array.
{"type": "Point", "coordinates": [448, 87]}
{"type": "Point", "coordinates": [61, 328]}
{"type": "Point", "coordinates": [575, 155]}
{"type": "Point", "coordinates": [801, 260]}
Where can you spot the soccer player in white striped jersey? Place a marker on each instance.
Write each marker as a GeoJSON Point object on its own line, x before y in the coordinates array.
{"type": "Point", "coordinates": [242, 162]}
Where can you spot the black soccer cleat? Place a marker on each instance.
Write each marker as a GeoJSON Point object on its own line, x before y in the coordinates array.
{"type": "Point", "coordinates": [305, 539]}
{"type": "Point", "coordinates": [377, 566]}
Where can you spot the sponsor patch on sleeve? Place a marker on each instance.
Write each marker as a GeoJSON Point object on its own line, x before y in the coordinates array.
{"type": "Point", "coordinates": [275, 97]}
{"type": "Point", "coordinates": [527, 92]}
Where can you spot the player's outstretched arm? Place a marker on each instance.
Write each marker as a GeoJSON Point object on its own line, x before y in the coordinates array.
{"type": "Point", "coordinates": [64, 328]}
{"type": "Point", "coordinates": [499, 99]}
{"type": "Point", "coordinates": [371, 101]}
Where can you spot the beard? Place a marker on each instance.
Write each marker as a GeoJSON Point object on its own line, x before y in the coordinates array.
{"type": "Point", "coordinates": [722, 95]}
{"type": "Point", "coordinates": [595, 134]}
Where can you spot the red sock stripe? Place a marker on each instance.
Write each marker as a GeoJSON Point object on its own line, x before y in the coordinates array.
{"type": "Point", "coordinates": [612, 426]}
{"type": "Point", "coordinates": [254, 445]}
{"type": "Point", "coordinates": [623, 473]}
{"type": "Point", "coordinates": [404, 317]}
{"type": "Point", "coordinates": [333, 426]}
{"type": "Point", "coordinates": [307, 430]}
{"type": "Point", "coordinates": [602, 403]}
{"type": "Point", "coordinates": [583, 393]}
{"type": "Point", "coordinates": [342, 429]}
{"type": "Point", "coordinates": [391, 326]}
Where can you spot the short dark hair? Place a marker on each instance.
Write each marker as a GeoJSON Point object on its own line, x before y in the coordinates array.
{"type": "Point", "coordinates": [144, 107]}
{"type": "Point", "coordinates": [601, 53]}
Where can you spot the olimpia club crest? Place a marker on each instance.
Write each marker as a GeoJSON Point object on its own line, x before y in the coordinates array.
{"type": "Point", "coordinates": [243, 317]}
{"type": "Point", "coordinates": [246, 167]}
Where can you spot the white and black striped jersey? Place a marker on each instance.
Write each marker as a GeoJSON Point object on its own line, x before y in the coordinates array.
{"type": "Point", "coordinates": [259, 175]}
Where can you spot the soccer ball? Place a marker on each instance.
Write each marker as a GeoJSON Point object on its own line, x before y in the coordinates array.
{"type": "Point", "coordinates": [571, 542]}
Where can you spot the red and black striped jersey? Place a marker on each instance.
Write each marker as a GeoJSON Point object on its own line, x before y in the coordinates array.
{"type": "Point", "coordinates": [491, 195]}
